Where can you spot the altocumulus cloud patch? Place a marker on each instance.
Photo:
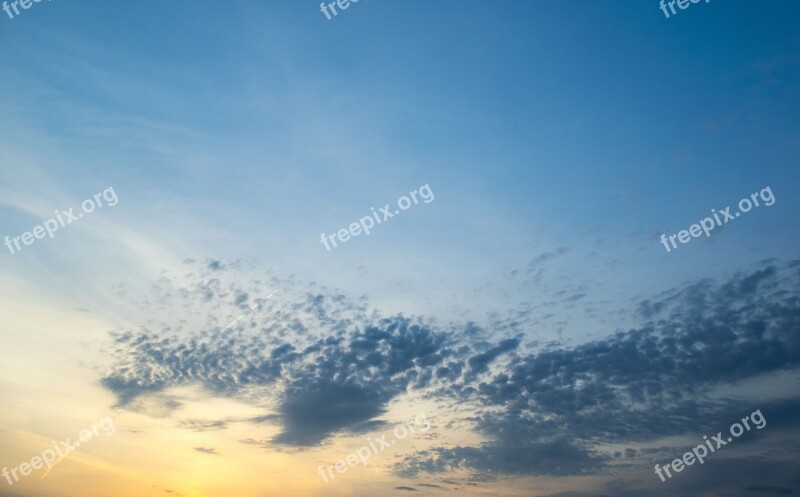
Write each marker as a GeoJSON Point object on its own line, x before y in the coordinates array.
{"type": "Point", "coordinates": [339, 365]}
{"type": "Point", "coordinates": [549, 412]}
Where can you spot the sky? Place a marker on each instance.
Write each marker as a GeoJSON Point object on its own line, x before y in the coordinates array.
{"type": "Point", "coordinates": [517, 322]}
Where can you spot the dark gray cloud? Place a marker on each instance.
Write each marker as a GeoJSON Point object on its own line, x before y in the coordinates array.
{"type": "Point", "coordinates": [479, 363]}
{"type": "Point", "coordinates": [335, 384]}
{"type": "Point", "coordinates": [634, 386]}
{"type": "Point", "coordinates": [769, 489]}
{"type": "Point", "coordinates": [559, 457]}
{"type": "Point", "coordinates": [337, 367]}
{"type": "Point", "coordinates": [750, 475]}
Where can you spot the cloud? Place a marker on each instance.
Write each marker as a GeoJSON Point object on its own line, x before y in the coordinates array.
{"type": "Point", "coordinates": [480, 363]}
{"type": "Point", "coordinates": [336, 367]}
{"type": "Point", "coordinates": [204, 425]}
{"type": "Point", "coordinates": [205, 450]}
{"type": "Point", "coordinates": [544, 257]}
{"type": "Point", "coordinates": [768, 489]}
{"type": "Point", "coordinates": [538, 264]}
{"type": "Point", "coordinates": [335, 384]}
{"type": "Point", "coordinates": [555, 458]}
{"type": "Point", "coordinates": [635, 386]}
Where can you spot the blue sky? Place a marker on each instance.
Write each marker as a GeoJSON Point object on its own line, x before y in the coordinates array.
{"type": "Point", "coordinates": [560, 139]}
